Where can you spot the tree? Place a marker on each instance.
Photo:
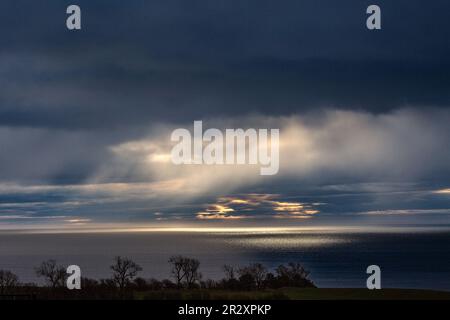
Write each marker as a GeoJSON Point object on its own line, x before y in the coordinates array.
{"type": "Point", "coordinates": [54, 275]}
{"type": "Point", "coordinates": [230, 281]}
{"type": "Point", "coordinates": [108, 284]}
{"type": "Point", "coordinates": [140, 284]}
{"type": "Point", "coordinates": [167, 284]}
{"type": "Point", "coordinates": [124, 271]}
{"type": "Point", "coordinates": [230, 273]}
{"type": "Point", "coordinates": [294, 275]}
{"type": "Point", "coordinates": [177, 269]}
{"type": "Point", "coordinates": [155, 284]}
{"type": "Point", "coordinates": [8, 281]}
{"type": "Point", "coordinates": [191, 273]}
{"type": "Point", "coordinates": [256, 272]}
{"type": "Point", "coordinates": [88, 283]}
{"type": "Point", "coordinates": [185, 270]}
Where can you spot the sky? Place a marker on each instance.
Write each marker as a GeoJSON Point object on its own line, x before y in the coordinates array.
{"type": "Point", "coordinates": [86, 116]}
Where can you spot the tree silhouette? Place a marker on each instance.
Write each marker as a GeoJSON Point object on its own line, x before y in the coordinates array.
{"type": "Point", "coordinates": [185, 270]}
{"type": "Point", "coordinates": [54, 275]}
{"type": "Point", "coordinates": [255, 273]}
{"type": "Point", "coordinates": [294, 274]}
{"type": "Point", "coordinates": [177, 269]}
{"type": "Point", "coordinates": [191, 273]}
{"type": "Point", "coordinates": [124, 271]}
{"type": "Point", "coordinates": [8, 281]}
{"type": "Point", "coordinates": [230, 272]}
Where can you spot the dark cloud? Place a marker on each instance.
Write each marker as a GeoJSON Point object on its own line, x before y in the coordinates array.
{"type": "Point", "coordinates": [138, 68]}
{"type": "Point", "coordinates": [169, 60]}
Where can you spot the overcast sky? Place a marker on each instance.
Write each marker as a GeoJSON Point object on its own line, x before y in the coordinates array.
{"type": "Point", "coordinates": [86, 116]}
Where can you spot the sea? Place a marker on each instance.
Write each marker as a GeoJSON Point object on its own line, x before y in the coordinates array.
{"type": "Point", "coordinates": [335, 259]}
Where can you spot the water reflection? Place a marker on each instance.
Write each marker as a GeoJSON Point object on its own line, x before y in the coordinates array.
{"type": "Point", "coordinates": [282, 241]}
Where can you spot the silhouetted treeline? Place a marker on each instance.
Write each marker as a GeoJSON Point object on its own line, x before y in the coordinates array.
{"type": "Point", "coordinates": [126, 284]}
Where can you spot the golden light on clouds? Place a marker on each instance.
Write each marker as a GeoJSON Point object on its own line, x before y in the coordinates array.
{"type": "Point", "coordinates": [310, 212]}
{"type": "Point", "coordinates": [213, 216]}
{"type": "Point", "coordinates": [78, 221]}
{"type": "Point", "coordinates": [217, 211]}
{"type": "Point", "coordinates": [291, 207]}
{"type": "Point", "coordinates": [160, 157]}
{"type": "Point", "coordinates": [217, 208]}
{"type": "Point", "coordinates": [443, 191]}
{"type": "Point", "coordinates": [250, 206]}
{"type": "Point", "coordinates": [239, 201]}
{"type": "Point", "coordinates": [284, 216]}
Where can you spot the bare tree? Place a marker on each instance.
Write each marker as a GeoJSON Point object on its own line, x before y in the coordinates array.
{"type": "Point", "coordinates": [124, 271]}
{"type": "Point", "coordinates": [293, 274]}
{"type": "Point", "coordinates": [8, 281]}
{"type": "Point", "coordinates": [256, 271]}
{"type": "Point", "coordinates": [177, 269]}
{"type": "Point", "coordinates": [185, 270]}
{"type": "Point", "coordinates": [191, 273]}
{"type": "Point", "coordinates": [54, 275]}
{"type": "Point", "coordinates": [230, 272]}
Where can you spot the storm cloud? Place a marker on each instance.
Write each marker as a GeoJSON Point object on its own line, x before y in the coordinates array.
{"type": "Point", "coordinates": [86, 116]}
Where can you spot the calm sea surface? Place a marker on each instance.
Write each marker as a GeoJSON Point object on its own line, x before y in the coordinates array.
{"type": "Point", "coordinates": [409, 260]}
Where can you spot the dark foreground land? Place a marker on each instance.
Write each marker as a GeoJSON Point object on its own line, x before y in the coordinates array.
{"type": "Point", "coordinates": [268, 294]}
{"type": "Point", "coordinates": [253, 282]}
{"type": "Point", "coordinates": [300, 294]}
{"type": "Point", "coordinates": [365, 294]}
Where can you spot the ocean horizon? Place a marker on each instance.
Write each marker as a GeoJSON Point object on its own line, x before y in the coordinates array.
{"type": "Point", "coordinates": [338, 259]}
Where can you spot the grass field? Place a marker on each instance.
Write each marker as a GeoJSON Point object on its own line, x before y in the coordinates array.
{"type": "Point", "coordinates": [297, 294]}
{"type": "Point", "coordinates": [365, 294]}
